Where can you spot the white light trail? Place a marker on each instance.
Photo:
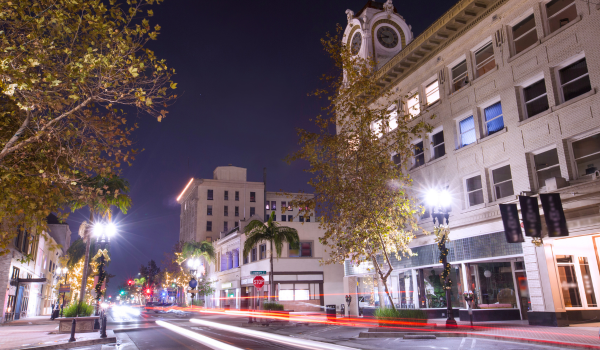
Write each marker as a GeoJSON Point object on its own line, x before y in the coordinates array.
{"type": "Point", "coordinates": [303, 343]}
{"type": "Point", "coordinates": [211, 343]}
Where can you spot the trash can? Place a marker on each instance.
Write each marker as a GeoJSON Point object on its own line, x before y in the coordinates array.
{"type": "Point", "coordinates": [55, 313]}
{"type": "Point", "coordinates": [330, 311]}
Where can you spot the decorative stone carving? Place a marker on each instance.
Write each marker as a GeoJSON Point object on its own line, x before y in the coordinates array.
{"type": "Point", "coordinates": [350, 16]}
{"type": "Point", "coordinates": [389, 8]}
{"type": "Point", "coordinates": [365, 20]}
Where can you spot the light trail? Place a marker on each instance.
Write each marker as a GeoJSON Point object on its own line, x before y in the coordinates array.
{"type": "Point", "coordinates": [210, 342]}
{"type": "Point", "coordinates": [297, 342]}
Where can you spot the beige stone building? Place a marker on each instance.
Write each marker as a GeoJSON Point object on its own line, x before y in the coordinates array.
{"type": "Point", "coordinates": [513, 85]}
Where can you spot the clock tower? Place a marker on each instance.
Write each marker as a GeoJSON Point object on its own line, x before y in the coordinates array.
{"type": "Point", "coordinates": [377, 31]}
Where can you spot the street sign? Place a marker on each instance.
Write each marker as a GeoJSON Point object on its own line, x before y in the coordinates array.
{"type": "Point", "coordinates": [258, 282]}
{"type": "Point", "coordinates": [64, 288]}
{"type": "Point", "coordinates": [258, 273]}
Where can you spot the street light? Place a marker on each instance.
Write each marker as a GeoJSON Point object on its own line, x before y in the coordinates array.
{"type": "Point", "coordinates": [62, 272]}
{"type": "Point", "coordinates": [194, 265]}
{"type": "Point", "coordinates": [440, 203]}
{"type": "Point", "coordinates": [103, 233]}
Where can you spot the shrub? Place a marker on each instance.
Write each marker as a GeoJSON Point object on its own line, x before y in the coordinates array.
{"type": "Point", "coordinates": [78, 310]}
{"type": "Point", "coordinates": [272, 306]}
{"type": "Point", "coordinates": [401, 315]}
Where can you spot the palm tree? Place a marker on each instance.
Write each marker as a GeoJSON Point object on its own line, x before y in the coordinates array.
{"type": "Point", "coordinates": [202, 249]}
{"type": "Point", "coordinates": [270, 231]}
{"type": "Point", "coordinates": [105, 193]}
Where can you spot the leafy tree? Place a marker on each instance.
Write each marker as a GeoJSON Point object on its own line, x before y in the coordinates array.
{"type": "Point", "coordinates": [362, 193]}
{"type": "Point", "coordinates": [69, 69]}
{"type": "Point", "coordinates": [203, 249]}
{"type": "Point", "coordinates": [271, 231]}
{"type": "Point", "coordinates": [150, 273]}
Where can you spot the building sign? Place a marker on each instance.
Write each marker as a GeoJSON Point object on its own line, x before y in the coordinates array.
{"type": "Point", "coordinates": [532, 223]}
{"type": "Point", "coordinates": [258, 273]}
{"type": "Point", "coordinates": [512, 226]}
{"type": "Point", "coordinates": [64, 288]}
{"type": "Point", "coordinates": [226, 285]}
{"type": "Point", "coordinates": [554, 215]}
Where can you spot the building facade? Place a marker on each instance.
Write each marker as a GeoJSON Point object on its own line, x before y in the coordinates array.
{"type": "Point", "coordinates": [513, 88]}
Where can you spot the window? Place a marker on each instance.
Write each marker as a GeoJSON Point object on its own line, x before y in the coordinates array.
{"type": "Point", "coordinates": [467, 131]}
{"type": "Point", "coordinates": [494, 121]}
{"type": "Point", "coordinates": [574, 80]}
{"type": "Point", "coordinates": [225, 211]}
{"type": "Point", "coordinates": [225, 226]}
{"type": "Point", "coordinates": [484, 60]}
{"type": "Point", "coordinates": [568, 280]}
{"type": "Point", "coordinates": [393, 119]}
{"type": "Point", "coordinates": [289, 208]}
{"type": "Point", "coordinates": [209, 210]}
{"type": "Point", "coordinates": [283, 217]}
{"type": "Point", "coordinates": [301, 217]}
{"type": "Point", "coordinates": [588, 287]}
{"type": "Point", "coordinates": [263, 251]}
{"type": "Point", "coordinates": [209, 195]}
{"type": "Point", "coordinates": [503, 186]}
{"type": "Point", "coordinates": [546, 166]}
{"type": "Point", "coordinates": [304, 251]}
{"type": "Point", "coordinates": [252, 211]}
{"type": "Point", "coordinates": [273, 205]}
{"type": "Point", "coordinates": [432, 92]}
{"type": "Point", "coordinates": [267, 206]}
{"type": "Point", "coordinates": [460, 76]}
{"type": "Point", "coordinates": [437, 142]}
{"type": "Point", "coordinates": [226, 195]}
{"type": "Point", "coordinates": [308, 219]}
{"type": "Point", "coordinates": [245, 259]}
{"type": "Point", "coordinates": [377, 128]}
{"type": "Point", "coordinates": [252, 196]}
{"type": "Point", "coordinates": [587, 155]}
{"type": "Point", "coordinates": [474, 190]}
{"type": "Point", "coordinates": [237, 195]}
{"type": "Point", "coordinates": [524, 34]}
{"type": "Point", "coordinates": [237, 211]}
{"type": "Point", "coordinates": [560, 13]}
{"type": "Point", "coordinates": [209, 226]}
{"type": "Point", "coordinates": [536, 99]}
{"type": "Point", "coordinates": [412, 105]}
{"type": "Point", "coordinates": [419, 155]}
{"type": "Point", "coordinates": [283, 206]}
{"type": "Point", "coordinates": [253, 254]}
{"type": "Point", "coordinates": [15, 273]}
{"type": "Point", "coordinates": [396, 159]}
{"type": "Point", "coordinates": [290, 218]}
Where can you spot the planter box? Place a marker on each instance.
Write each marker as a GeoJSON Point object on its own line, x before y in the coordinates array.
{"type": "Point", "coordinates": [482, 315]}
{"type": "Point", "coordinates": [282, 316]}
{"type": "Point", "coordinates": [440, 312]}
{"type": "Point", "coordinates": [83, 325]}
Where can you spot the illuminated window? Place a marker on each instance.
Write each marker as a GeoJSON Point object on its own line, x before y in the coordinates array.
{"type": "Point", "coordinates": [467, 131]}
{"type": "Point", "coordinates": [273, 205]}
{"type": "Point", "coordinates": [377, 128]}
{"type": "Point", "coordinates": [412, 105]}
{"type": "Point", "coordinates": [524, 34]}
{"type": "Point", "coordinates": [460, 76]}
{"type": "Point", "coordinates": [304, 251]}
{"type": "Point", "coordinates": [568, 280]}
{"type": "Point", "coordinates": [494, 121]}
{"type": "Point", "coordinates": [484, 60]}
{"type": "Point", "coordinates": [432, 92]}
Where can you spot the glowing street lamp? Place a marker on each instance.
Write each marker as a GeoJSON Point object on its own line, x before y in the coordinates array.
{"type": "Point", "coordinates": [62, 272]}
{"type": "Point", "coordinates": [103, 232]}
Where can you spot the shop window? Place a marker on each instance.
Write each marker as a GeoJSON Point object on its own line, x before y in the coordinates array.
{"type": "Point", "coordinates": [413, 107]}
{"type": "Point", "coordinates": [588, 287]}
{"type": "Point", "coordinates": [226, 195]}
{"type": "Point", "coordinates": [568, 280]}
{"type": "Point", "coordinates": [437, 143]}
{"type": "Point", "coordinates": [559, 13]}
{"type": "Point", "coordinates": [494, 121]}
{"type": "Point", "coordinates": [546, 166]}
{"type": "Point", "coordinates": [574, 80]}
{"type": "Point", "coordinates": [418, 155]}
{"type": "Point", "coordinates": [226, 210]}
{"type": "Point", "coordinates": [474, 190]}
{"type": "Point", "coordinates": [524, 34]}
{"type": "Point", "coordinates": [253, 254]}
{"type": "Point", "coordinates": [263, 251]}
{"type": "Point", "coordinates": [209, 226]}
{"type": "Point", "coordinates": [587, 155]}
{"type": "Point", "coordinates": [460, 76]}
{"type": "Point", "coordinates": [237, 211]}
{"type": "Point", "coordinates": [496, 286]}
{"type": "Point", "coordinates": [432, 92]}
{"type": "Point", "coordinates": [286, 292]}
{"type": "Point", "coordinates": [484, 59]}
{"type": "Point", "coordinates": [298, 291]}
{"type": "Point", "coordinates": [209, 210]}
{"type": "Point", "coordinates": [237, 195]}
{"type": "Point", "coordinates": [502, 178]}
{"type": "Point", "coordinates": [467, 131]}
{"type": "Point", "coordinates": [303, 251]}
{"type": "Point", "coordinates": [301, 291]}
{"type": "Point", "coordinates": [252, 211]}
{"type": "Point", "coordinates": [252, 196]}
{"type": "Point", "coordinates": [536, 98]}
{"type": "Point", "coordinates": [209, 195]}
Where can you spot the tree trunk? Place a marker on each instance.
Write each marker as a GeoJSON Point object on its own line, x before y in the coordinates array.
{"type": "Point", "coordinates": [86, 260]}
{"type": "Point", "coordinates": [271, 285]}
{"type": "Point", "coordinates": [382, 280]}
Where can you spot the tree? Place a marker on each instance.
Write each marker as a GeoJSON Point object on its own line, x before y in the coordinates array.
{"type": "Point", "coordinates": [271, 231]}
{"type": "Point", "coordinates": [69, 72]}
{"type": "Point", "coordinates": [362, 193]}
{"type": "Point", "coordinates": [202, 249]}
{"type": "Point", "coordinates": [150, 273]}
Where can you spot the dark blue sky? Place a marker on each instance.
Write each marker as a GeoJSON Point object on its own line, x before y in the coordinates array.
{"type": "Point", "coordinates": [244, 69]}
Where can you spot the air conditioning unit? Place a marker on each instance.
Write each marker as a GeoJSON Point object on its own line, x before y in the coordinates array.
{"type": "Point", "coordinates": [554, 183]}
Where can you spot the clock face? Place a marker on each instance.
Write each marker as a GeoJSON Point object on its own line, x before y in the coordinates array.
{"type": "Point", "coordinates": [356, 43]}
{"type": "Point", "coordinates": [387, 37]}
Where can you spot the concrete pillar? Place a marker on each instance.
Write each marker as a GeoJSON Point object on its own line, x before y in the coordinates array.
{"type": "Point", "coordinates": [415, 289]}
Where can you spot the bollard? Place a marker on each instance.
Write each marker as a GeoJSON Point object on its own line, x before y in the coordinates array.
{"type": "Point", "coordinates": [73, 325]}
{"type": "Point", "coordinates": [103, 328]}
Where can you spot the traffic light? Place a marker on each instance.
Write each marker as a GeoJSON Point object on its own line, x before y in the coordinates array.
{"type": "Point", "coordinates": [148, 290]}
{"type": "Point", "coordinates": [122, 292]}
{"type": "Point", "coordinates": [173, 285]}
{"type": "Point", "coordinates": [130, 282]}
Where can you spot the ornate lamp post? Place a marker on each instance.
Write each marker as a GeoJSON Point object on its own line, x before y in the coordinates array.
{"type": "Point", "coordinates": [194, 265]}
{"type": "Point", "coordinates": [103, 232]}
{"type": "Point", "coordinates": [440, 202]}
{"type": "Point", "coordinates": [62, 272]}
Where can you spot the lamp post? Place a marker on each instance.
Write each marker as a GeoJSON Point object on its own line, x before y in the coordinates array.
{"type": "Point", "coordinates": [62, 272]}
{"type": "Point", "coordinates": [194, 265]}
{"type": "Point", "coordinates": [440, 203]}
{"type": "Point", "coordinates": [103, 232]}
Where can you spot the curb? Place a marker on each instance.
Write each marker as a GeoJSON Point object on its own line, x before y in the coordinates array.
{"type": "Point", "coordinates": [74, 344]}
{"type": "Point", "coordinates": [123, 330]}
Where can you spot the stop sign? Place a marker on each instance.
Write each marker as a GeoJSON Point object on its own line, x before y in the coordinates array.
{"type": "Point", "coordinates": [259, 282]}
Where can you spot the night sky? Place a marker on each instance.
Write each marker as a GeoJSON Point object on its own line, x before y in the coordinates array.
{"type": "Point", "coordinates": [244, 69]}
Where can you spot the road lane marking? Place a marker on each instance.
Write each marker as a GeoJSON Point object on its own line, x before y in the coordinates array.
{"type": "Point", "coordinates": [298, 342]}
{"type": "Point", "coordinates": [210, 342]}
{"type": "Point", "coordinates": [473, 345]}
